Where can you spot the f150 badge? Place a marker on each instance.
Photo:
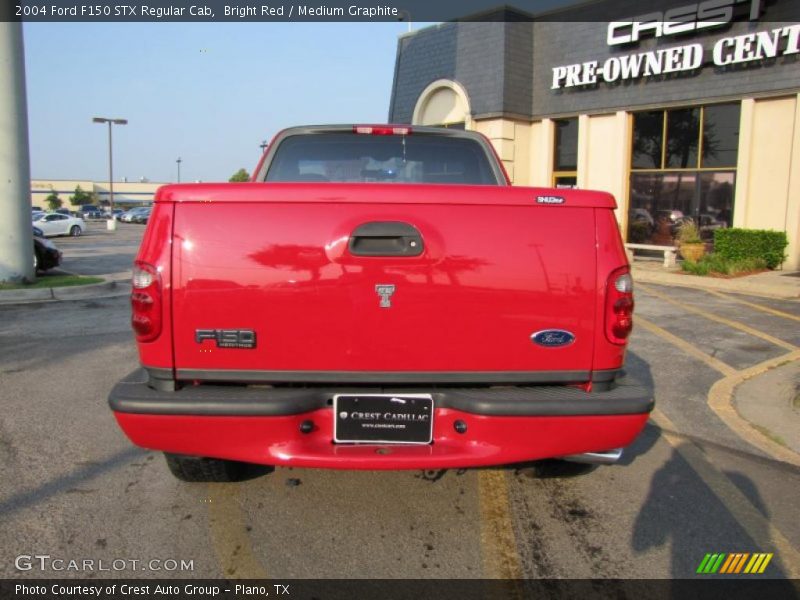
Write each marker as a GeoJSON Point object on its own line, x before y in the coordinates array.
{"type": "Point", "coordinates": [385, 291]}
{"type": "Point", "coordinates": [552, 338]}
{"type": "Point", "coordinates": [550, 199]}
{"type": "Point", "coordinates": [227, 338]}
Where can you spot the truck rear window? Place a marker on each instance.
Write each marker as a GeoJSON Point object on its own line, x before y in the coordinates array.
{"type": "Point", "coordinates": [354, 158]}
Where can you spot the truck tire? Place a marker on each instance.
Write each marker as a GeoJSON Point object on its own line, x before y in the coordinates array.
{"type": "Point", "coordinates": [199, 469]}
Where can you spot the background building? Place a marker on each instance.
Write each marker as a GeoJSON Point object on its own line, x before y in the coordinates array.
{"type": "Point", "coordinates": [126, 194]}
{"type": "Point", "coordinates": [700, 119]}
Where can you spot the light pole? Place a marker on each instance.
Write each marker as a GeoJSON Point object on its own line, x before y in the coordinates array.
{"type": "Point", "coordinates": [179, 161]}
{"type": "Point", "coordinates": [404, 14]}
{"type": "Point", "coordinates": [111, 223]}
{"type": "Point", "coordinates": [263, 145]}
{"type": "Point", "coordinates": [16, 242]}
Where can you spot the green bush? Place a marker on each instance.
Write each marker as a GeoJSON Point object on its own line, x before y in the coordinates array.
{"type": "Point", "coordinates": [738, 244]}
{"type": "Point", "coordinates": [715, 263]}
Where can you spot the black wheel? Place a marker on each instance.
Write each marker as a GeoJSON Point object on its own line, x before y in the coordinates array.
{"type": "Point", "coordinates": [35, 262]}
{"type": "Point", "coordinates": [75, 231]}
{"type": "Point", "coordinates": [199, 469]}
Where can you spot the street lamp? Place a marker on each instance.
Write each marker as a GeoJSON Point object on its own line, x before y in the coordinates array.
{"type": "Point", "coordinates": [111, 223]}
{"type": "Point", "coordinates": [263, 145]}
{"type": "Point", "coordinates": [179, 161]}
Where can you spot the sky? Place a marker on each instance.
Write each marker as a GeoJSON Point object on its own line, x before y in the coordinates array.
{"type": "Point", "coordinates": [208, 93]}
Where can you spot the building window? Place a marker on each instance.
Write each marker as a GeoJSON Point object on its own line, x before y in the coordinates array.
{"type": "Point", "coordinates": [444, 103]}
{"type": "Point", "coordinates": [565, 155]}
{"type": "Point", "coordinates": [683, 166]}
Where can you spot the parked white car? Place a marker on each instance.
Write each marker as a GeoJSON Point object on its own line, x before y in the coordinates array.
{"type": "Point", "coordinates": [58, 224]}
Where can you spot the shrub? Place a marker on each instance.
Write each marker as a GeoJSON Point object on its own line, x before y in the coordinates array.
{"type": "Point", "coordinates": [689, 233]}
{"type": "Point", "coordinates": [738, 244]}
{"type": "Point", "coordinates": [714, 263]}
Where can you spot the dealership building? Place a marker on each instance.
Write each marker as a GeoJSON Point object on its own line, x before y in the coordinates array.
{"type": "Point", "coordinates": [695, 117]}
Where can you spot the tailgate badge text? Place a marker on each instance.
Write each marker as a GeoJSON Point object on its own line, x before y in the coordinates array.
{"type": "Point", "coordinates": [550, 200]}
{"type": "Point", "coordinates": [385, 291]}
{"type": "Point", "coordinates": [227, 338]}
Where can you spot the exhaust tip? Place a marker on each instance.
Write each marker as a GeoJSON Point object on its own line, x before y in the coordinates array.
{"type": "Point", "coordinates": [607, 457]}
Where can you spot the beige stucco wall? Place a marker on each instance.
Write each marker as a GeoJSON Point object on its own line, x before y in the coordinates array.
{"type": "Point", "coordinates": [540, 152]}
{"type": "Point", "coordinates": [511, 140]}
{"type": "Point", "coordinates": [768, 178]}
{"type": "Point", "coordinates": [604, 156]}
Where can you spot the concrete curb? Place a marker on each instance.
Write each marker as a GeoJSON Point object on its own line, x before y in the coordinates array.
{"type": "Point", "coordinates": [107, 289]}
{"type": "Point", "coordinates": [787, 290]}
{"type": "Point", "coordinates": [765, 402]}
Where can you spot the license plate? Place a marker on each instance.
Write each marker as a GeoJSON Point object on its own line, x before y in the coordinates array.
{"type": "Point", "coordinates": [383, 418]}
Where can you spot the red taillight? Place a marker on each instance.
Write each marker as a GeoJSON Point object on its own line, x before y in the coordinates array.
{"type": "Point", "coordinates": [146, 302]}
{"type": "Point", "coordinates": [381, 130]}
{"type": "Point", "coordinates": [619, 306]}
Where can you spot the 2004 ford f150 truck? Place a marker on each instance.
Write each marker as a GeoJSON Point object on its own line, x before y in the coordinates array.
{"type": "Point", "coordinates": [379, 297]}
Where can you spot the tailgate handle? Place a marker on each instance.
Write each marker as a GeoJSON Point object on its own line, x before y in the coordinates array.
{"type": "Point", "coordinates": [385, 238]}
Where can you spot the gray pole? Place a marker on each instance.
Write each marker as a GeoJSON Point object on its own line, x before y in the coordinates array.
{"type": "Point", "coordinates": [112, 222]}
{"type": "Point", "coordinates": [110, 173]}
{"type": "Point", "coordinates": [16, 233]}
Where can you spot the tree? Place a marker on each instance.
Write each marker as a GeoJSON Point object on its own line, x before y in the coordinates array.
{"type": "Point", "coordinates": [239, 176]}
{"type": "Point", "coordinates": [79, 198]}
{"type": "Point", "coordinates": [53, 201]}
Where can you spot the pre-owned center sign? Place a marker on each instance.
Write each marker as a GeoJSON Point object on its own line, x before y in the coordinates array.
{"type": "Point", "coordinates": [756, 46]}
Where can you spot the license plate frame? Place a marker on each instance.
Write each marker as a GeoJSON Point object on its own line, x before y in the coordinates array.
{"type": "Point", "coordinates": [373, 426]}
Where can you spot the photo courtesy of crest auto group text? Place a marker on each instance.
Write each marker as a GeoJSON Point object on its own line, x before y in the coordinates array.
{"type": "Point", "coordinates": [400, 300]}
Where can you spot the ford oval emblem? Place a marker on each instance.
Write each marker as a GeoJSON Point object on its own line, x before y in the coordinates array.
{"type": "Point", "coordinates": [553, 338]}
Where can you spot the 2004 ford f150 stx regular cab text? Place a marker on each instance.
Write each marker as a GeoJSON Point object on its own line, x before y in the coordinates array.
{"type": "Point", "coordinates": [379, 297]}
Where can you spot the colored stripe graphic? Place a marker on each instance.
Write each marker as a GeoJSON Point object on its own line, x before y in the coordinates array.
{"type": "Point", "coordinates": [754, 562]}
{"type": "Point", "coordinates": [703, 563]}
{"type": "Point", "coordinates": [734, 563]}
{"type": "Point", "coordinates": [741, 562]}
{"type": "Point", "coordinates": [711, 563]}
{"type": "Point", "coordinates": [728, 564]}
{"type": "Point", "coordinates": [767, 558]}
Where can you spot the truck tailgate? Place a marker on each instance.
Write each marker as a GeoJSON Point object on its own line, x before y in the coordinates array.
{"type": "Point", "coordinates": [490, 275]}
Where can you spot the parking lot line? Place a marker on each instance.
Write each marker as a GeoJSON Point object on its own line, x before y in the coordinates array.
{"type": "Point", "coordinates": [761, 307]}
{"type": "Point", "coordinates": [682, 344]}
{"type": "Point", "coordinates": [498, 542]}
{"type": "Point", "coordinates": [226, 525]}
{"type": "Point", "coordinates": [738, 505]}
{"type": "Point", "coordinates": [712, 317]}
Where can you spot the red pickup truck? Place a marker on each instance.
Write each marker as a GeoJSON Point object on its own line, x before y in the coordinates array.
{"type": "Point", "coordinates": [379, 297]}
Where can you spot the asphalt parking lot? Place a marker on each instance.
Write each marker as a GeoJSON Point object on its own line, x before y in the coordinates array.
{"type": "Point", "coordinates": [697, 481]}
